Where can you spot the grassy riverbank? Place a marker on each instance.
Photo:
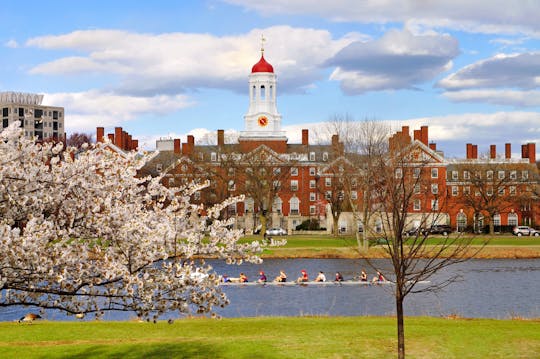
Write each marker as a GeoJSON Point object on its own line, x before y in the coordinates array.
{"type": "Point", "coordinates": [301, 337]}
{"type": "Point", "coordinates": [325, 246]}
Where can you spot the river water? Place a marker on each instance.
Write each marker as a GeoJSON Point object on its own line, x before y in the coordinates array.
{"type": "Point", "coordinates": [495, 288]}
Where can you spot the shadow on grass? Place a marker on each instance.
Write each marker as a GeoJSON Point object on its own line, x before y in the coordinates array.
{"type": "Point", "coordinates": [166, 350]}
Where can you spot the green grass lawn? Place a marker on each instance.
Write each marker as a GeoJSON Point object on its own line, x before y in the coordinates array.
{"type": "Point", "coordinates": [299, 337]}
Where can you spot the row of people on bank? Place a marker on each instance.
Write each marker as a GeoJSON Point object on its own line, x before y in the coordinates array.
{"type": "Point", "coordinates": [304, 277]}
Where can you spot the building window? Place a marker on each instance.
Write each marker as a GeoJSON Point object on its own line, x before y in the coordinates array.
{"type": "Point", "coordinates": [277, 205]}
{"type": "Point", "coordinates": [354, 183]}
{"type": "Point", "coordinates": [197, 196]}
{"type": "Point", "coordinates": [434, 205]}
{"type": "Point", "coordinates": [328, 181]}
{"type": "Point", "coordinates": [454, 175]}
{"type": "Point", "coordinates": [294, 185]}
{"type": "Point", "coordinates": [249, 204]}
{"type": "Point", "coordinates": [416, 172]}
{"type": "Point", "coordinates": [312, 196]}
{"type": "Point", "coordinates": [231, 185]}
{"type": "Point", "coordinates": [434, 173]}
{"type": "Point", "coordinates": [455, 191]}
{"type": "Point", "coordinates": [312, 171]}
{"type": "Point", "coordinates": [461, 222]}
{"type": "Point", "coordinates": [276, 184]}
{"type": "Point", "coordinates": [159, 167]}
{"type": "Point", "coordinates": [312, 156]}
{"type": "Point", "coordinates": [295, 205]}
{"type": "Point", "coordinates": [466, 175]}
{"type": "Point", "coordinates": [500, 175]}
{"type": "Point", "coordinates": [416, 205]}
{"type": "Point", "coordinates": [399, 173]}
{"type": "Point", "coordinates": [213, 157]}
{"type": "Point", "coordinates": [512, 219]}
{"type": "Point", "coordinates": [525, 174]}
{"type": "Point", "coordinates": [434, 188]}
{"type": "Point", "coordinates": [513, 175]}
{"type": "Point", "coordinates": [489, 175]}
{"type": "Point", "coordinates": [312, 210]}
{"type": "Point", "coordinates": [328, 195]}
{"type": "Point", "coordinates": [466, 190]}
{"type": "Point", "coordinates": [294, 171]}
{"type": "Point", "coordinates": [489, 191]}
{"type": "Point", "coordinates": [312, 184]}
{"type": "Point", "coordinates": [354, 195]}
{"type": "Point", "coordinates": [416, 189]}
{"type": "Point", "coordinates": [277, 171]}
{"type": "Point", "coordinates": [325, 156]}
{"type": "Point", "coordinates": [231, 171]}
{"type": "Point", "coordinates": [512, 190]}
{"type": "Point", "coordinates": [501, 191]}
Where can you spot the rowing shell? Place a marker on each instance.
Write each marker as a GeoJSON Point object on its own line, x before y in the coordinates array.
{"type": "Point", "coordinates": [317, 284]}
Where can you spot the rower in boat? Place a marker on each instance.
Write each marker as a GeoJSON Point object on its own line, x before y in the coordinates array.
{"type": "Point", "coordinates": [363, 276]}
{"type": "Point", "coordinates": [262, 277]}
{"type": "Point", "coordinates": [303, 277]}
{"type": "Point", "coordinates": [282, 277]}
{"type": "Point", "coordinates": [243, 278]}
{"type": "Point", "coordinates": [379, 278]}
{"type": "Point", "coordinates": [320, 277]}
{"type": "Point", "coordinates": [339, 277]}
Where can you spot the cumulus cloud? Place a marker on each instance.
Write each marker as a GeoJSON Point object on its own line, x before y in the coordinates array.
{"type": "Point", "coordinates": [397, 60]}
{"type": "Point", "coordinates": [480, 16]}
{"type": "Point", "coordinates": [12, 44]}
{"type": "Point", "coordinates": [496, 97]}
{"type": "Point", "coordinates": [502, 70]}
{"type": "Point", "coordinates": [86, 110]}
{"type": "Point", "coordinates": [169, 63]}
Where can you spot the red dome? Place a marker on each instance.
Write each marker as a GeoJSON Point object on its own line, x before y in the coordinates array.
{"type": "Point", "coordinates": [262, 66]}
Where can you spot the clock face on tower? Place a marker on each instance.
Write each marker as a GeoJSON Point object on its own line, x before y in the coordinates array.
{"type": "Point", "coordinates": [262, 121]}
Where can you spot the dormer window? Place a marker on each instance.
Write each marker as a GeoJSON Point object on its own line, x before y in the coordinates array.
{"type": "Point", "coordinates": [325, 156]}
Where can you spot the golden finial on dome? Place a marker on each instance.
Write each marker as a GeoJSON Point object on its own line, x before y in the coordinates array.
{"type": "Point", "coordinates": [262, 44]}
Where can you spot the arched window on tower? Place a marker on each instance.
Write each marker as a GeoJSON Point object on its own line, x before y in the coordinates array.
{"type": "Point", "coordinates": [263, 93]}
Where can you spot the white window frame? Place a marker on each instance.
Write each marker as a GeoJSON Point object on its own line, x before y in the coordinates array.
{"type": "Point", "coordinates": [455, 191]}
{"type": "Point", "coordinates": [312, 196]}
{"type": "Point", "coordinates": [435, 188]}
{"type": "Point", "coordinates": [312, 156]}
{"type": "Point", "coordinates": [434, 173]}
{"type": "Point", "coordinates": [328, 181]}
{"type": "Point", "coordinates": [312, 184]}
{"type": "Point", "coordinates": [312, 171]}
{"type": "Point", "coordinates": [417, 205]}
{"type": "Point", "coordinates": [294, 185]}
{"type": "Point", "coordinates": [294, 171]}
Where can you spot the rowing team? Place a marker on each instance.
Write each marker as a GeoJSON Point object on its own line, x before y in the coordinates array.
{"type": "Point", "coordinates": [282, 277]}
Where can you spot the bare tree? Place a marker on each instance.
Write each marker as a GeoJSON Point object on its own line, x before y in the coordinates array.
{"type": "Point", "coordinates": [364, 145]}
{"type": "Point", "coordinates": [77, 139]}
{"type": "Point", "coordinates": [404, 179]}
{"type": "Point", "coordinates": [491, 187]}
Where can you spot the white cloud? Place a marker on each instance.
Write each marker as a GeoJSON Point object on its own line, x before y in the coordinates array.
{"type": "Point", "coordinates": [12, 44]}
{"type": "Point", "coordinates": [397, 60]}
{"type": "Point", "coordinates": [497, 97]}
{"type": "Point", "coordinates": [479, 16]}
{"type": "Point", "coordinates": [87, 110]}
{"type": "Point", "coordinates": [502, 70]}
{"type": "Point", "coordinates": [173, 62]}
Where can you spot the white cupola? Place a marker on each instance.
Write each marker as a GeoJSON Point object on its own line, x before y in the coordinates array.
{"type": "Point", "coordinates": [262, 119]}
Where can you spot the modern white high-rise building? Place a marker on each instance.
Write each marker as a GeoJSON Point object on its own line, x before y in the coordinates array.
{"type": "Point", "coordinates": [39, 121]}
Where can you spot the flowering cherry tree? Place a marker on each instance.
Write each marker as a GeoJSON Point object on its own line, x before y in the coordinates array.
{"type": "Point", "coordinates": [80, 232]}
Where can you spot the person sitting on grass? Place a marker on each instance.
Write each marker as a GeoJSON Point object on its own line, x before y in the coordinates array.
{"type": "Point", "coordinates": [321, 277]}
{"type": "Point", "coordinates": [303, 277]}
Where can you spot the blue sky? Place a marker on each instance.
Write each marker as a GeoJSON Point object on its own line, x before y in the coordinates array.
{"type": "Point", "coordinates": [468, 70]}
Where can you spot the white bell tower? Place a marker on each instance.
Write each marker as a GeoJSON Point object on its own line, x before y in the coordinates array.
{"type": "Point", "coordinates": [262, 120]}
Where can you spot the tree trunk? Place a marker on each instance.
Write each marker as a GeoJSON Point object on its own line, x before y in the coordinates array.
{"type": "Point", "coordinates": [400, 325]}
{"type": "Point", "coordinates": [336, 228]}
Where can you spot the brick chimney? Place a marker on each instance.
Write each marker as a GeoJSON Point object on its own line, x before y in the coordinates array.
{"type": "Point", "coordinates": [469, 151]}
{"type": "Point", "coordinates": [507, 151]}
{"type": "Point", "coordinates": [220, 137]}
{"type": "Point", "coordinates": [305, 137]}
{"type": "Point", "coordinates": [492, 151]}
{"type": "Point", "coordinates": [100, 134]}
{"type": "Point", "coordinates": [524, 151]}
{"type": "Point", "coordinates": [474, 151]}
{"type": "Point", "coordinates": [424, 135]}
{"type": "Point", "coordinates": [135, 144]}
{"type": "Point", "coordinates": [118, 137]}
{"type": "Point", "coordinates": [433, 146]}
{"type": "Point", "coordinates": [177, 146]}
{"type": "Point", "coordinates": [110, 136]}
{"type": "Point", "coordinates": [529, 151]}
{"type": "Point", "coordinates": [417, 135]}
